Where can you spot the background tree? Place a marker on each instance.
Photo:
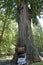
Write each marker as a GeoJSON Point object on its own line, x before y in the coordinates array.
{"type": "Point", "coordinates": [38, 37]}
{"type": "Point", "coordinates": [8, 30]}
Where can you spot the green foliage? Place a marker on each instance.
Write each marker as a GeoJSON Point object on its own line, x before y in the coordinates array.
{"type": "Point", "coordinates": [35, 6]}
{"type": "Point", "coordinates": [7, 15]}
{"type": "Point", "coordinates": [35, 20]}
{"type": "Point", "coordinates": [38, 37]}
{"type": "Point", "coordinates": [9, 38]}
{"type": "Point", "coordinates": [35, 9]}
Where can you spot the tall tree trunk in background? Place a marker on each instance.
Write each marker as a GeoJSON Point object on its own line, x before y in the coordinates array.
{"type": "Point", "coordinates": [2, 32]}
{"type": "Point", "coordinates": [25, 34]}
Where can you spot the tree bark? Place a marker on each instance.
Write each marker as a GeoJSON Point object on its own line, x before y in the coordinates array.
{"type": "Point", "coordinates": [25, 35]}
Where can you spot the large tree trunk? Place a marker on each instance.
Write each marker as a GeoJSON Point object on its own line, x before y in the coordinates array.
{"type": "Point", "coordinates": [25, 35]}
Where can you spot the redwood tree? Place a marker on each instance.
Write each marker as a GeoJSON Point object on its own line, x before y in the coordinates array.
{"type": "Point", "coordinates": [24, 30]}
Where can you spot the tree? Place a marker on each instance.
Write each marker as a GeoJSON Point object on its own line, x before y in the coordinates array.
{"type": "Point", "coordinates": [25, 33]}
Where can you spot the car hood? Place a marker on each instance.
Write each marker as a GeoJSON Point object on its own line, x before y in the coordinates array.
{"type": "Point", "coordinates": [22, 60]}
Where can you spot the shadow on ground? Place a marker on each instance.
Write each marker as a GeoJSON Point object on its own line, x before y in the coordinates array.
{"type": "Point", "coordinates": [5, 62]}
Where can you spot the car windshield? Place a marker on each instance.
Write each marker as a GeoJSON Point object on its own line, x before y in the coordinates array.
{"type": "Point", "coordinates": [21, 56]}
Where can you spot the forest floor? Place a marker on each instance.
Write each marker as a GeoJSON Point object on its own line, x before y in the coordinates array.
{"type": "Point", "coordinates": [5, 60]}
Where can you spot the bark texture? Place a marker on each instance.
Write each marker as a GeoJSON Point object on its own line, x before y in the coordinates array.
{"type": "Point", "coordinates": [25, 35]}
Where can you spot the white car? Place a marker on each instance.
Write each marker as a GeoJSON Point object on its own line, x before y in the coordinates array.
{"type": "Point", "coordinates": [21, 59]}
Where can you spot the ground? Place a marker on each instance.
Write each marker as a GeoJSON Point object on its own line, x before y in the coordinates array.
{"type": "Point", "coordinates": [5, 60]}
{"type": "Point", "coordinates": [38, 63]}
